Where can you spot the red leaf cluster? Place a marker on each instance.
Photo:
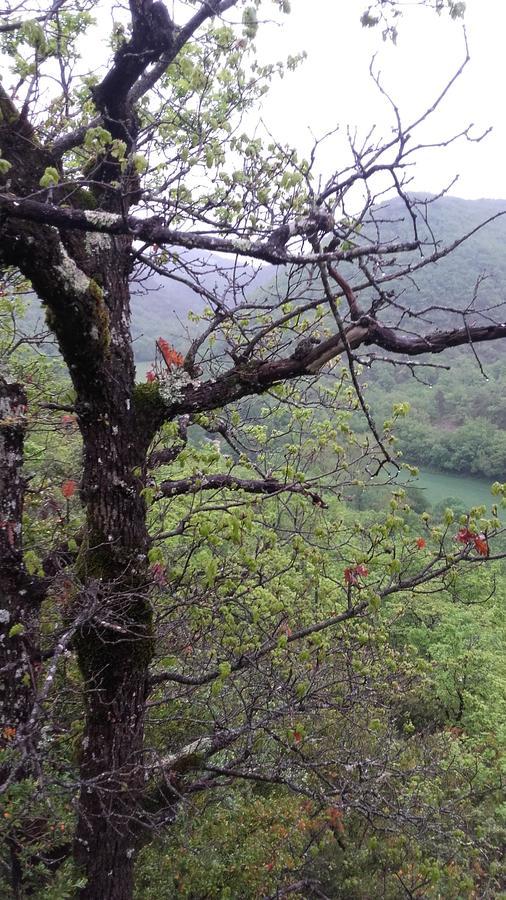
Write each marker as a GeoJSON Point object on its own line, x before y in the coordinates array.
{"type": "Point", "coordinates": [170, 355]}
{"type": "Point", "coordinates": [351, 574]}
{"type": "Point", "coordinates": [68, 489]}
{"type": "Point", "coordinates": [481, 545]}
{"type": "Point", "coordinates": [466, 536]}
{"type": "Point", "coordinates": [335, 818]}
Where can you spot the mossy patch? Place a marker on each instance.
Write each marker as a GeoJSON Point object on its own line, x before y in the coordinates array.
{"type": "Point", "coordinates": [106, 656]}
{"type": "Point", "coordinates": [149, 407]}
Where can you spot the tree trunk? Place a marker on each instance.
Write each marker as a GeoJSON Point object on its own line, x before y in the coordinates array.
{"type": "Point", "coordinates": [115, 645]}
{"type": "Point", "coordinates": [19, 610]}
{"type": "Point", "coordinates": [20, 597]}
{"type": "Point", "coordinates": [111, 777]}
{"type": "Point", "coordinates": [85, 286]}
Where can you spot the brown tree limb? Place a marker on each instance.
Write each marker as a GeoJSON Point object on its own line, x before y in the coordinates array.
{"type": "Point", "coordinates": [257, 377]}
{"type": "Point", "coordinates": [209, 9]}
{"type": "Point", "coordinates": [44, 17]}
{"type": "Point", "coordinates": [272, 250]}
{"type": "Point", "coordinates": [355, 311]}
{"type": "Point", "coordinates": [155, 40]}
{"type": "Point", "coordinates": [152, 35]}
{"type": "Point", "coordinates": [232, 482]}
{"type": "Point", "coordinates": [433, 342]}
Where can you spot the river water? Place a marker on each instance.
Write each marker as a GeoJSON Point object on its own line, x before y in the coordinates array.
{"type": "Point", "coordinates": [470, 490]}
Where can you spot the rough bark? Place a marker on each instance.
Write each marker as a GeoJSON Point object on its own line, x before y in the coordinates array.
{"type": "Point", "coordinates": [20, 598]}
{"type": "Point", "coordinates": [114, 647]}
{"type": "Point", "coordinates": [20, 593]}
{"type": "Point", "coordinates": [84, 286]}
{"type": "Point", "coordinates": [114, 652]}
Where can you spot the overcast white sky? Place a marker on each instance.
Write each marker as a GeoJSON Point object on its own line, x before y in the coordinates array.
{"type": "Point", "coordinates": [333, 85]}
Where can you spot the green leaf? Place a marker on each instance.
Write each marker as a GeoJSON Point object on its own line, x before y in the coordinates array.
{"type": "Point", "coordinates": [140, 163]}
{"type": "Point", "coordinates": [155, 554]}
{"type": "Point", "coordinates": [50, 177]}
{"type": "Point", "coordinates": [97, 139]}
{"type": "Point", "coordinates": [16, 630]}
{"type": "Point", "coordinates": [250, 22]}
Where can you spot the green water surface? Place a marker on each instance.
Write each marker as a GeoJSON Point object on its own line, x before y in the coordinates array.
{"type": "Point", "coordinates": [470, 490]}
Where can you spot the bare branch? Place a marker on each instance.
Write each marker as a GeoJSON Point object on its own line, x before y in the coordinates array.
{"type": "Point", "coordinates": [45, 17]}
{"type": "Point", "coordinates": [232, 482]}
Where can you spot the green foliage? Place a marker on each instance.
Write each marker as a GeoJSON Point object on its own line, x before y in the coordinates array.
{"type": "Point", "coordinates": [50, 177]}
{"type": "Point", "coordinates": [415, 686]}
{"type": "Point", "coordinates": [423, 668]}
{"type": "Point", "coordinates": [241, 847]}
{"type": "Point", "coordinates": [444, 430]}
{"type": "Point", "coordinates": [249, 18]}
{"type": "Point", "coordinates": [344, 649]}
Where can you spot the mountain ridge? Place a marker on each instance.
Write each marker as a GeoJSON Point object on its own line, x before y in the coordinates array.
{"type": "Point", "coordinates": [164, 307]}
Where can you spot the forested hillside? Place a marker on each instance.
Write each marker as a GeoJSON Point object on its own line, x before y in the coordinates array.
{"type": "Point", "coordinates": [455, 280]}
{"type": "Point", "coordinates": [457, 417]}
{"type": "Point", "coordinates": [161, 306]}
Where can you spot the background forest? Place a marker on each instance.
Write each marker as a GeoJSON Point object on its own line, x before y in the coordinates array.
{"type": "Point", "coordinates": [451, 430]}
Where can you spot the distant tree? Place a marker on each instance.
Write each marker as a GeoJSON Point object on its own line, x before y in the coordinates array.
{"type": "Point", "coordinates": [147, 166]}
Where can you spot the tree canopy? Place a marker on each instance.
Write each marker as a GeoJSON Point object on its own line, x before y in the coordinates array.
{"type": "Point", "coordinates": [188, 602]}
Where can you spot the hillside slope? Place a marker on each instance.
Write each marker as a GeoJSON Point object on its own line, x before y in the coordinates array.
{"type": "Point", "coordinates": [161, 306]}
{"type": "Point", "coordinates": [453, 280]}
